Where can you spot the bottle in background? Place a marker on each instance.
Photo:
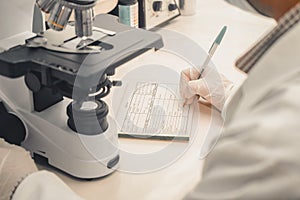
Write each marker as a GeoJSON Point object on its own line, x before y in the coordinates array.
{"type": "Point", "coordinates": [129, 12]}
{"type": "Point", "coordinates": [188, 7]}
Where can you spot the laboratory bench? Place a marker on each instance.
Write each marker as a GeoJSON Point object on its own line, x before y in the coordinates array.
{"type": "Point", "coordinates": [174, 179]}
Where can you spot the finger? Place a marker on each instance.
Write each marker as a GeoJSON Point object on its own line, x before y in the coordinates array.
{"type": "Point", "coordinates": [186, 74]}
{"type": "Point", "coordinates": [184, 88]}
{"type": "Point", "coordinates": [191, 73]}
{"type": "Point", "coordinates": [199, 87]}
{"type": "Point", "coordinates": [204, 101]}
{"type": "Point", "coordinates": [194, 73]}
{"type": "Point", "coordinates": [189, 101]}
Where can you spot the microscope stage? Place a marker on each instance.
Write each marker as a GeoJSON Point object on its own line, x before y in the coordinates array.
{"type": "Point", "coordinates": [126, 44]}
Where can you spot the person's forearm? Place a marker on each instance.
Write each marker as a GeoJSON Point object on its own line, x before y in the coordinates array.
{"type": "Point", "coordinates": [44, 185]}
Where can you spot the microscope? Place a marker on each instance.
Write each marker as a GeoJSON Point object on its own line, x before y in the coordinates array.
{"type": "Point", "coordinates": [53, 80]}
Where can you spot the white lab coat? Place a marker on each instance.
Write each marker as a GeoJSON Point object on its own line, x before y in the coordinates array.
{"type": "Point", "coordinates": [43, 185]}
{"type": "Point", "coordinates": [258, 155]}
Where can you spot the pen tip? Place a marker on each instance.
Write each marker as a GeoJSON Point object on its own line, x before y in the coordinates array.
{"type": "Point", "coordinates": [221, 35]}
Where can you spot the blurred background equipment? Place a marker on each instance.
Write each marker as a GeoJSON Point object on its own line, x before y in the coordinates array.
{"type": "Point", "coordinates": [151, 13]}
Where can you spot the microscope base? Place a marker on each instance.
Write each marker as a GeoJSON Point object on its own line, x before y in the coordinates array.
{"type": "Point", "coordinates": [81, 156]}
{"type": "Point", "coordinates": [49, 136]}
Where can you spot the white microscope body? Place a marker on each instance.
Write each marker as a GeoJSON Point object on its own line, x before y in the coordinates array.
{"type": "Point", "coordinates": [53, 80]}
{"type": "Point", "coordinates": [47, 132]}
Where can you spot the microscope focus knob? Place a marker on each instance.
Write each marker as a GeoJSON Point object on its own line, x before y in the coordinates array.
{"type": "Point", "coordinates": [12, 129]}
{"type": "Point", "coordinates": [157, 6]}
{"type": "Point", "coordinates": [88, 118]}
{"type": "Point", "coordinates": [33, 81]}
{"type": "Point", "coordinates": [172, 7]}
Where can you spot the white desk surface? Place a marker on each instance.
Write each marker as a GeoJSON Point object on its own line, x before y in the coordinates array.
{"type": "Point", "coordinates": [176, 180]}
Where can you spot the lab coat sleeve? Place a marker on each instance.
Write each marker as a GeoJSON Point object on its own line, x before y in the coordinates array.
{"type": "Point", "coordinates": [44, 185]}
{"type": "Point", "coordinates": [258, 155]}
{"type": "Point", "coordinates": [230, 95]}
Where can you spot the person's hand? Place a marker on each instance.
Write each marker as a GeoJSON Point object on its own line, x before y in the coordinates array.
{"type": "Point", "coordinates": [212, 88]}
{"type": "Point", "coordinates": [15, 164]}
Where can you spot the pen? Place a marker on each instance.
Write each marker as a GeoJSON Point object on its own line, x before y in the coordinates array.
{"type": "Point", "coordinates": [211, 52]}
{"type": "Point", "coordinates": [213, 49]}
